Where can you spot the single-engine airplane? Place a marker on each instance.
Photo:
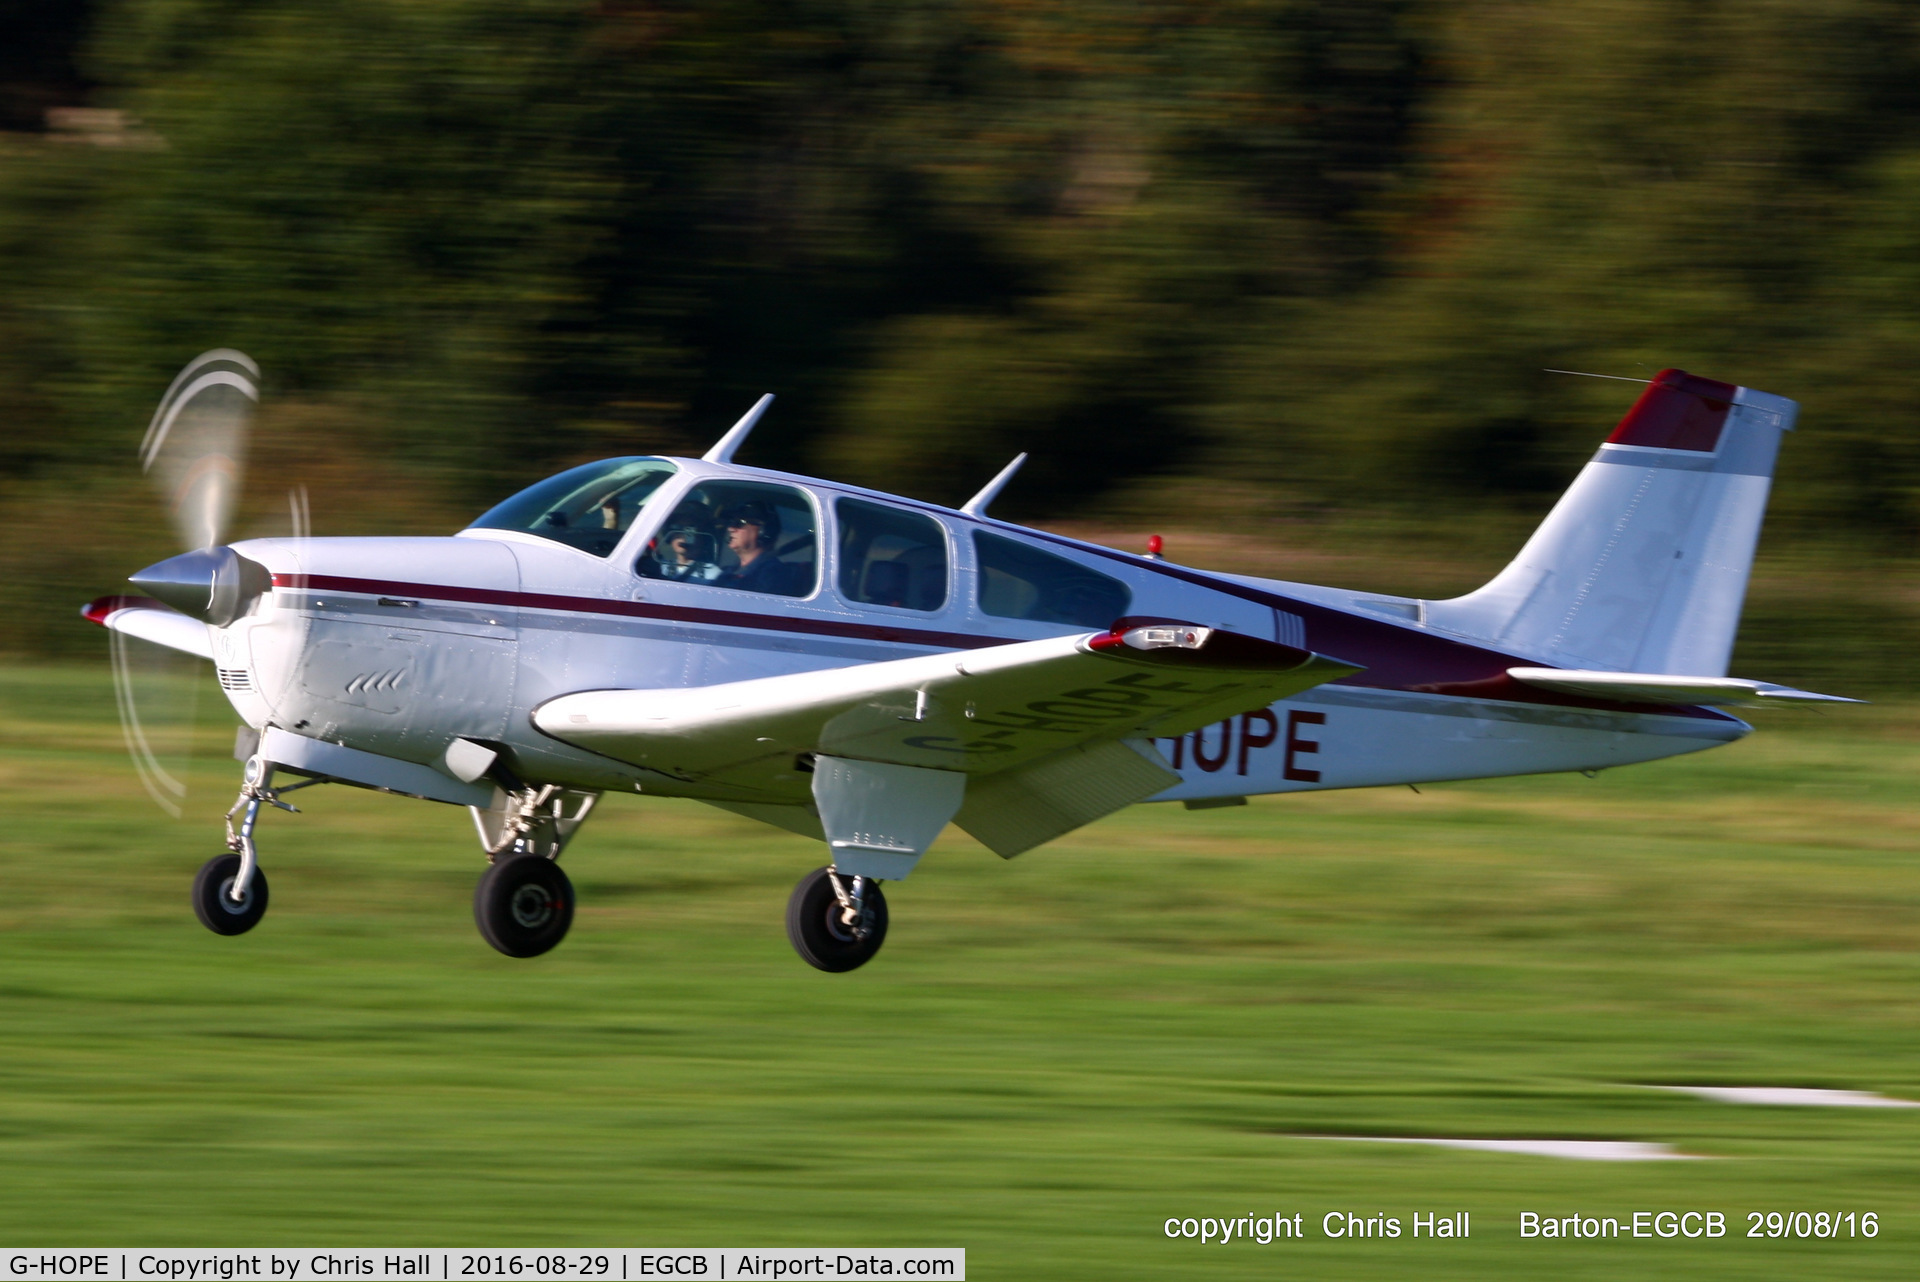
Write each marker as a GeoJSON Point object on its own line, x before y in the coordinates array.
{"type": "Point", "coordinates": [863, 669]}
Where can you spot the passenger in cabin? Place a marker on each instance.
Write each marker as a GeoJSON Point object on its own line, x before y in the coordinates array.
{"type": "Point", "coordinates": [752, 529]}
{"type": "Point", "coordinates": [688, 557]}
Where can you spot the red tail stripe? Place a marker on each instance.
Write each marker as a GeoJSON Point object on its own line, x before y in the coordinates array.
{"type": "Point", "coordinates": [1678, 411]}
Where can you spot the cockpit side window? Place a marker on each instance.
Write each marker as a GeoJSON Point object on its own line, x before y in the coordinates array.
{"type": "Point", "coordinates": [587, 507]}
{"type": "Point", "coordinates": [746, 535]}
{"type": "Point", "coordinates": [1022, 582]}
{"type": "Point", "coordinates": [891, 557]}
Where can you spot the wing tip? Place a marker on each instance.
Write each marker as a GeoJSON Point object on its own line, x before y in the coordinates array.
{"type": "Point", "coordinates": [100, 609]}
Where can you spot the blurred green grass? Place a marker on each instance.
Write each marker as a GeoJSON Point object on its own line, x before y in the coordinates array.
{"type": "Point", "coordinates": [1049, 1058]}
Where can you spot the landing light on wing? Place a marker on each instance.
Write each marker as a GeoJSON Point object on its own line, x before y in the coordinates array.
{"type": "Point", "coordinates": [1155, 638]}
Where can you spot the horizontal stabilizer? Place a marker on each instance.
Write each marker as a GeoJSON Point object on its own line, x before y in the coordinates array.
{"type": "Point", "coordinates": [148, 619]}
{"type": "Point", "coordinates": [1655, 687]}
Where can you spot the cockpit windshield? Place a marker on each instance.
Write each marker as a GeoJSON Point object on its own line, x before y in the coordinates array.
{"type": "Point", "coordinates": [587, 507]}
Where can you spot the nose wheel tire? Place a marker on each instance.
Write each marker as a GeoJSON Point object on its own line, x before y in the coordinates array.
{"type": "Point", "coordinates": [213, 900]}
{"type": "Point", "coordinates": [523, 905]}
{"type": "Point", "coordinates": [816, 925]}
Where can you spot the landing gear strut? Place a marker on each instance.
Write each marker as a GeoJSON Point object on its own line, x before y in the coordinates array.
{"type": "Point", "coordinates": [836, 922]}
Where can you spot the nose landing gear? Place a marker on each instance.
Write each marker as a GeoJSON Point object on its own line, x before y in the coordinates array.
{"type": "Point", "coordinates": [213, 901]}
{"type": "Point", "coordinates": [836, 922]}
{"type": "Point", "coordinates": [230, 891]}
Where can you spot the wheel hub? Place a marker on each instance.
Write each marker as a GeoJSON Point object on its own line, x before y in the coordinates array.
{"type": "Point", "coordinates": [532, 907]}
{"type": "Point", "coordinates": [232, 905]}
{"type": "Point", "coordinates": [839, 927]}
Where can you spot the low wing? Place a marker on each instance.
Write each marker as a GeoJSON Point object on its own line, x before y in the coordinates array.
{"type": "Point", "coordinates": [980, 712]}
{"type": "Point", "coordinates": [148, 619]}
{"type": "Point", "coordinates": [1654, 687]}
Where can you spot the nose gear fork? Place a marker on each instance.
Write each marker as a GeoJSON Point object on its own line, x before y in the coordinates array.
{"type": "Point", "coordinates": [256, 788]}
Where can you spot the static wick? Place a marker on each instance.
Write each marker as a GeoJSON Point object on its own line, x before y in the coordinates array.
{"type": "Point", "coordinates": [1154, 544]}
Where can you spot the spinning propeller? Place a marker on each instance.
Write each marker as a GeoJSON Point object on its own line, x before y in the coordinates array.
{"type": "Point", "coordinates": [195, 450]}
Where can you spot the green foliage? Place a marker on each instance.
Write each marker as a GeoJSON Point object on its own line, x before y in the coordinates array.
{"type": "Point", "coordinates": [1615, 187]}
{"type": "Point", "coordinates": [1324, 248]}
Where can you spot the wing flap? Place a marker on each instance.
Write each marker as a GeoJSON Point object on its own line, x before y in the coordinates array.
{"type": "Point", "coordinates": [978, 712]}
{"type": "Point", "coordinates": [1014, 811]}
{"type": "Point", "coordinates": [1660, 688]}
{"type": "Point", "coordinates": [803, 821]}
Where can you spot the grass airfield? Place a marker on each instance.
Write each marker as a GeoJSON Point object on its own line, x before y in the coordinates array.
{"type": "Point", "coordinates": [1049, 1058]}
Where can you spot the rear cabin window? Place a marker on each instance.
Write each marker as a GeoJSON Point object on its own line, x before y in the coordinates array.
{"type": "Point", "coordinates": [891, 557]}
{"type": "Point", "coordinates": [745, 535]}
{"type": "Point", "coordinates": [1022, 582]}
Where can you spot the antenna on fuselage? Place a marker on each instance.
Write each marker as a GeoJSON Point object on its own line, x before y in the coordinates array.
{"type": "Point", "coordinates": [1618, 378]}
{"type": "Point", "coordinates": [722, 451]}
{"type": "Point", "coordinates": [977, 505]}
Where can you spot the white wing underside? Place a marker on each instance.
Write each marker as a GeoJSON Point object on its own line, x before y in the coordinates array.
{"type": "Point", "coordinates": [162, 625]}
{"type": "Point", "coordinates": [1048, 735]}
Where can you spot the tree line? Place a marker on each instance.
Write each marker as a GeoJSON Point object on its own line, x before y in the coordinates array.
{"type": "Point", "coordinates": [1318, 251]}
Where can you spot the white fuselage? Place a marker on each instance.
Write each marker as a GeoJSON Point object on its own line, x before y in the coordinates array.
{"type": "Point", "coordinates": [398, 646]}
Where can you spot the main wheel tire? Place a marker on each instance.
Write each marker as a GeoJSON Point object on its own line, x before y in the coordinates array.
{"type": "Point", "coordinates": [820, 937]}
{"type": "Point", "coordinates": [216, 909]}
{"type": "Point", "coordinates": [523, 905]}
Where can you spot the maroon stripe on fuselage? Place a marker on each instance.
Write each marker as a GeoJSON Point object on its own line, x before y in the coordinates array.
{"type": "Point", "coordinates": [1393, 658]}
{"type": "Point", "coordinates": [643, 610]}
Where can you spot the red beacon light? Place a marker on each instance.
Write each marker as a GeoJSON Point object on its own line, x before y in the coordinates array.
{"type": "Point", "coordinates": [1154, 544]}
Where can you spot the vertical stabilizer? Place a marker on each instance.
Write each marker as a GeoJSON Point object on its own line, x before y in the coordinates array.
{"type": "Point", "coordinates": [1642, 565]}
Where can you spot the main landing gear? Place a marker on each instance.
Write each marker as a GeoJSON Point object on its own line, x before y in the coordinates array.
{"type": "Point", "coordinates": [523, 905]}
{"type": "Point", "coordinates": [524, 902]}
{"type": "Point", "coordinates": [836, 922]}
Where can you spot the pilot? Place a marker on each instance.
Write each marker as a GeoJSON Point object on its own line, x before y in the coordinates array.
{"type": "Point", "coordinates": [752, 530]}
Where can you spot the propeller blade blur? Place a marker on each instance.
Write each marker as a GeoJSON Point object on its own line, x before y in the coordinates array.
{"type": "Point", "coordinates": [300, 512]}
{"type": "Point", "coordinates": [157, 691]}
{"type": "Point", "coordinates": [196, 445]}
